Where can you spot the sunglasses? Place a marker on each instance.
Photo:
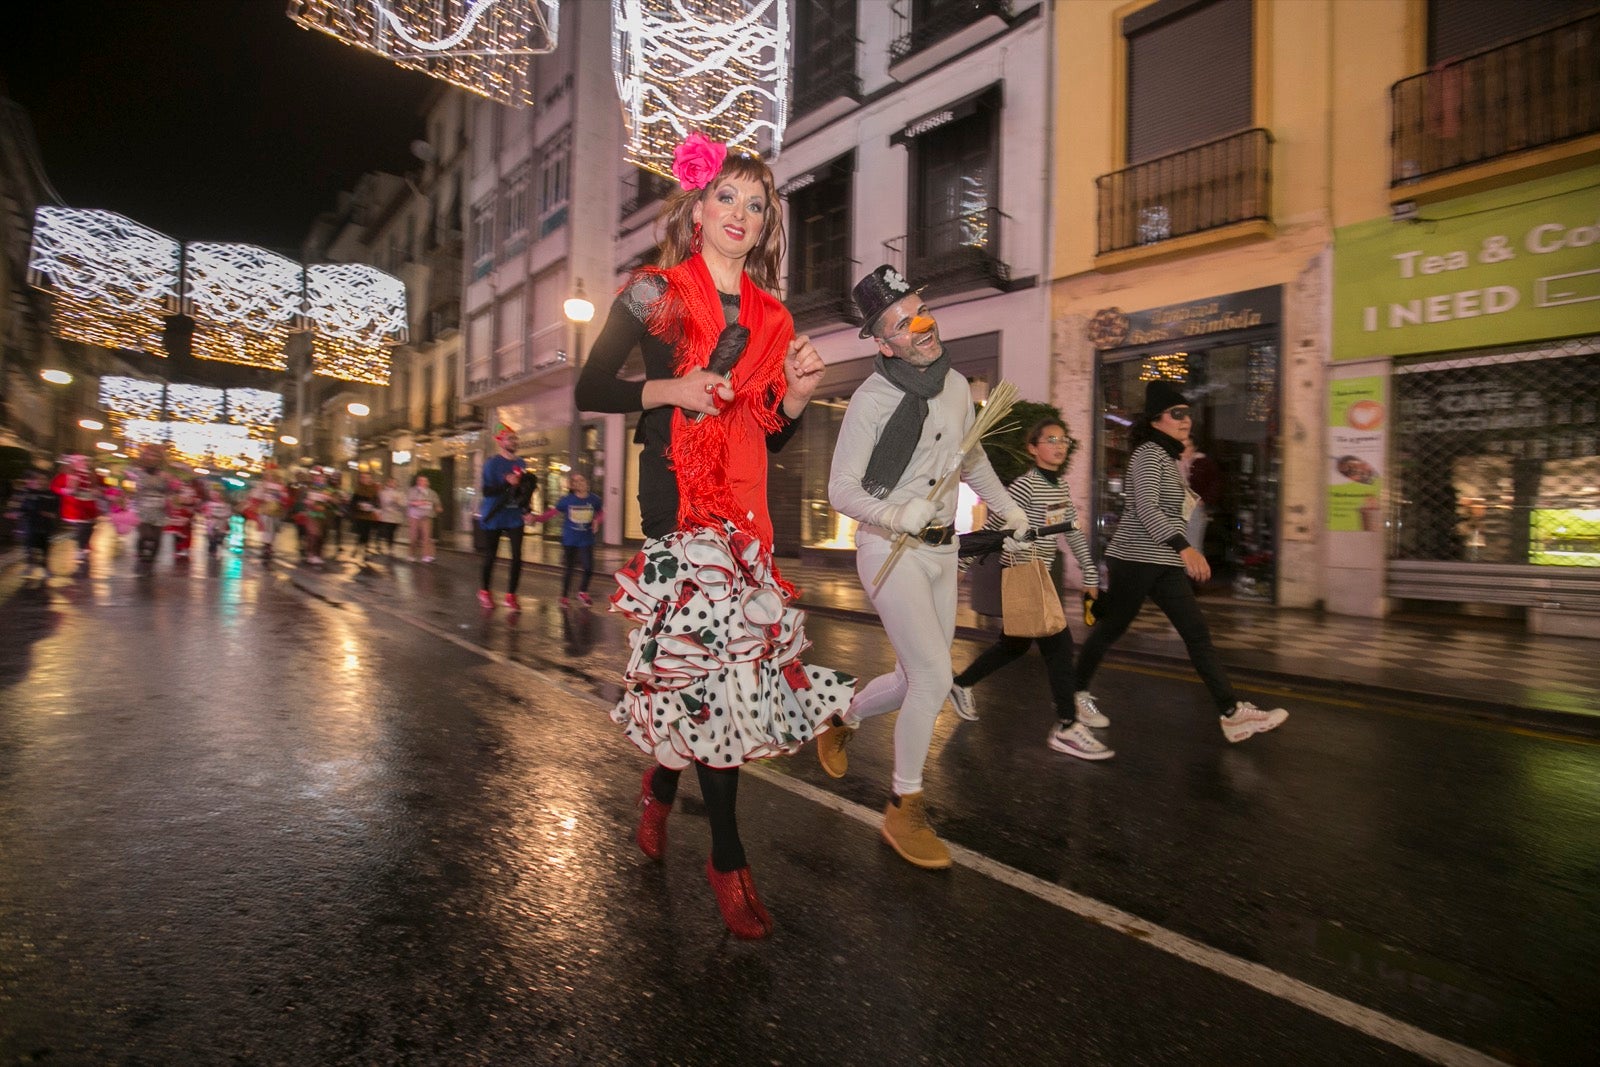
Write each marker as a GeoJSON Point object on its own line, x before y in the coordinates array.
{"type": "Point", "coordinates": [1053, 439]}
{"type": "Point", "coordinates": [1180, 413]}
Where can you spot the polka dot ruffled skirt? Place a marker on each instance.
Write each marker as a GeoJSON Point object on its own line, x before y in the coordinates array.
{"type": "Point", "coordinates": [715, 673]}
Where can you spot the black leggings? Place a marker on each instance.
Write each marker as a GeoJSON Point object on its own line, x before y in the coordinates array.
{"type": "Point", "coordinates": [576, 556]}
{"type": "Point", "coordinates": [491, 548]}
{"type": "Point", "coordinates": [1057, 652]}
{"type": "Point", "coordinates": [1169, 587]}
{"type": "Point", "coordinates": [719, 788]}
{"type": "Point", "coordinates": [81, 532]}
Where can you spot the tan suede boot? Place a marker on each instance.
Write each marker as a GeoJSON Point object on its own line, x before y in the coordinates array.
{"type": "Point", "coordinates": [905, 827]}
{"type": "Point", "coordinates": [831, 750]}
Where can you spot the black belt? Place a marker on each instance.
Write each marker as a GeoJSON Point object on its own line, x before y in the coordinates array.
{"type": "Point", "coordinates": [936, 535]}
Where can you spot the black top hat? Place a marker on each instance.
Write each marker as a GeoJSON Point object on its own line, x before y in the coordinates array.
{"type": "Point", "coordinates": [877, 291]}
{"type": "Point", "coordinates": [1159, 396]}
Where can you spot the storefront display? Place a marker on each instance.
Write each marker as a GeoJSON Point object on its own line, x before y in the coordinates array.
{"type": "Point", "coordinates": [1223, 353]}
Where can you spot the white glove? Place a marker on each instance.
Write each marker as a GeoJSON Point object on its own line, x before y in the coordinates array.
{"type": "Point", "coordinates": [1016, 521]}
{"type": "Point", "coordinates": [911, 516]}
{"type": "Point", "coordinates": [1013, 546]}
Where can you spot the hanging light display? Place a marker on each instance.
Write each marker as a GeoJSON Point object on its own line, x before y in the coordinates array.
{"type": "Point", "coordinates": [355, 313]}
{"type": "Point", "coordinates": [245, 302]}
{"type": "Point", "coordinates": [483, 46]}
{"type": "Point", "coordinates": [194, 403]}
{"type": "Point", "coordinates": [131, 398]}
{"type": "Point", "coordinates": [717, 66]}
{"type": "Point", "coordinates": [260, 408]}
{"type": "Point", "coordinates": [201, 444]}
{"type": "Point", "coordinates": [113, 281]}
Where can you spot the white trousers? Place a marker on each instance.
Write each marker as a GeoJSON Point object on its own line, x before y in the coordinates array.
{"type": "Point", "coordinates": [917, 603]}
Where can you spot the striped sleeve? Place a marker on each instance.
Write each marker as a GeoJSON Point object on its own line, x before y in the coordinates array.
{"type": "Point", "coordinates": [1147, 478]}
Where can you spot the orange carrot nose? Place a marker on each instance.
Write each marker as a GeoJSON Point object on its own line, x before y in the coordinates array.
{"type": "Point", "coordinates": [921, 324]}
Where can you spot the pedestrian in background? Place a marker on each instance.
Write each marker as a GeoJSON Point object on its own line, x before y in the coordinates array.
{"type": "Point", "coordinates": [364, 510]}
{"type": "Point", "coordinates": [33, 507]}
{"type": "Point", "coordinates": [218, 513]}
{"type": "Point", "coordinates": [153, 487]}
{"type": "Point", "coordinates": [580, 518]}
{"type": "Point", "coordinates": [318, 504]}
{"type": "Point", "coordinates": [502, 514]}
{"type": "Point", "coordinates": [715, 677]}
{"type": "Point", "coordinates": [391, 512]}
{"type": "Point", "coordinates": [1150, 556]}
{"type": "Point", "coordinates": [79, 490]}
{"type": "Point", "coordinates": [1042, 493]}
{"type": "Point", "coordinates": [270, 502]}
{"type": "Point", "coordinates": [422, 504]}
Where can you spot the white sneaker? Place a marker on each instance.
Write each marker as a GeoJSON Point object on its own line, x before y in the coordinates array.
{"type": "Point", "coordinates": [1088, 711]}
{"type": "Point", "coordinates": [1076, 740]}
{"type": "Point", "coordinates": [966, 703]}
{"type": "Point", "coordinates": [1248, 720]}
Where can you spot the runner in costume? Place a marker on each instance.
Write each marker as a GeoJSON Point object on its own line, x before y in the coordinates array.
{"type": "Point", "coordinates": [715, 677]}
{"type": "Point", "coordinates": [900, 434]}
{"type": "Point", "coordinates": [502, 514]}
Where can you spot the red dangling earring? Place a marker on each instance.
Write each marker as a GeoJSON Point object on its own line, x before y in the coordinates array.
{"type": "Point", "coordinates": [695, 240]}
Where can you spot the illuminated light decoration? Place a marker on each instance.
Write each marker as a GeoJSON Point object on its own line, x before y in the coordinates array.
{"type": "Point", "coordinates": [289, 439]}
{"type": "Point", "coordinates": [194, 403]}
{"type": "Point", "coordinates": [717, 66]}
{"type": "Point", "coordinates": [132, 398]}
{"type": "Point", "coordinates": [56, 377]}
{"type": "Point", "coordinates": [355, 313]}
{"type": "Point", "coordinates": [201, 444]}
{"type": "Point", "coordinates": [245, 302]}
{"type": "Point", "coordinates": [255, 407]}
{"type": "Point", "coordinates": [91, 424]}
{"type": "Point", "coordinates": [1165, 367]}
{"type": "Point", "coordinates": [483, 46]}
{"type": "Point", "coordinates": [113, 281]}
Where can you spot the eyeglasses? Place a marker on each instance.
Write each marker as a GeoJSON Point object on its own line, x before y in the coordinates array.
{"type": "Point", "coordinates": [1051, 440]}
{"type": "Point", "coordinates": [1182, 414]}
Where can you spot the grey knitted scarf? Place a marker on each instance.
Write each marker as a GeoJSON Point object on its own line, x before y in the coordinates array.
{"type": "Point", "coordinates": [901, 433]}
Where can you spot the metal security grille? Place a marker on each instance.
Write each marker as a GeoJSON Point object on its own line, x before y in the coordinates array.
{"type": "Point", "coordinates": [1497, 458]}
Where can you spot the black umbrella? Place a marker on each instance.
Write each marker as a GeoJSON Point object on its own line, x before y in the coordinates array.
{"type": "Point", "coordinates": [980, 543]}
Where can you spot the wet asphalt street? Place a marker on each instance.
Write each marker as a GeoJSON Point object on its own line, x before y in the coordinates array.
{"type": "Point", "coordinates": [350, 819]}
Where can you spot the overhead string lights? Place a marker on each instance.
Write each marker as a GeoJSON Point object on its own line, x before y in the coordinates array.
{"type": "Point", "coordinates": [113, 281]}
{"type": "Point", "coordinates": [245, 301]}
{"type": "Point", "coordinates": [483, 46]}
{"type": "Point", "coordinates": [717, 66]}
{"type": "Point", "coordinates": [355, 313]}
{"type": "Point", "coordinates": [202, 426]}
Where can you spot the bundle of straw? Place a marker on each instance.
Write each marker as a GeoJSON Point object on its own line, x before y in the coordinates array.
{"type": "Point", "coordinates": [998, 406]}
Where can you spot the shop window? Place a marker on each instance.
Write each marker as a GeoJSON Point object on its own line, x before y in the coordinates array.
{"type": "Point", "coordinates": [1190, 74]}
{"type": "Point", "coordinates": [1233, 391]}
{"type": "Point", "coordinates": [1497, 458]}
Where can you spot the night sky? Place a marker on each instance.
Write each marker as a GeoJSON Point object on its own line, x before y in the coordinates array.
{"type": "Point", "coordinates": [205, 119]}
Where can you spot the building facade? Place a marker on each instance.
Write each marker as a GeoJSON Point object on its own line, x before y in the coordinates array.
{"type": "Point", "coordinates": [1225, 184]}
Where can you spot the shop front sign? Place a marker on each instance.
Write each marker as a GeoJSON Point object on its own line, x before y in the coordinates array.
{"type": "Point", "coordinates": [1112, 328]}
{"type": "Point", "coordinates": [1514, 265]}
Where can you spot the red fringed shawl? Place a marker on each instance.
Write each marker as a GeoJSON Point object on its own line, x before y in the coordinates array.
{"type": "Point", "coordinates": [721, 460]}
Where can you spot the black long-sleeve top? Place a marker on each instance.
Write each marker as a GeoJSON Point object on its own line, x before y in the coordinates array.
{"type": "Point", "coordinates": [600, 389]}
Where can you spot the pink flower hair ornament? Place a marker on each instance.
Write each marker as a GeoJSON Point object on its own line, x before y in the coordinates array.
{"type": "Point", "coordinates": [697, 161]}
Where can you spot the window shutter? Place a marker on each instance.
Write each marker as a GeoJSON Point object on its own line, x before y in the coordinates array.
{"type": "Point", "coordinates": [1189, 77]}
{"type": "Point", "coordinates": [1459, 28]}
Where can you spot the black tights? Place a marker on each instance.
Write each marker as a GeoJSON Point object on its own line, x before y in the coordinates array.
{"type": "Point", "coordinates": [576, 556]}
{"type": "Point", "coordinates": [491, 549]}
{"type": "Point", "coordinates": [719, 788]}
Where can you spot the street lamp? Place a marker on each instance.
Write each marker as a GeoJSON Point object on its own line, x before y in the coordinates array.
{"type": "Point", "coordinates": [56, 377]}
{"type": "Point", "coordinates": [91, 424]}
{"type": "Point", "coordinates": [580, 310]}
{"type": "Point", "coordinates": [358, 409]}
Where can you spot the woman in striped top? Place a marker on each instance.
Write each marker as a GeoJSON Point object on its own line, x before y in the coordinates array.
{"type": "Point", "coordinates": [1149, 556]}
{"type": "Point", "coordinates": [1043, 495]}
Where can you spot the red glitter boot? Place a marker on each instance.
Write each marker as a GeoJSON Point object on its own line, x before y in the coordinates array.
{"type": "Point", "coordinates": [736, 899]}
{"type": "Point", "coordinates": [652, 832]}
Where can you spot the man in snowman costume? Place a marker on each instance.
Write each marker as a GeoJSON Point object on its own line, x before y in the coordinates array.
{"type": "Point", "coordinates": [901, 433]}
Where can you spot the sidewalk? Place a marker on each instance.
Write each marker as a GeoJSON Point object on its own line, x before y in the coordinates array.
{"type": "Point", "coordinates": [1488, 671]}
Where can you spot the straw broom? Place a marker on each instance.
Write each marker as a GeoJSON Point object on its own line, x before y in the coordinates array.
{"type": "Point", "coordinates": [998, 406]}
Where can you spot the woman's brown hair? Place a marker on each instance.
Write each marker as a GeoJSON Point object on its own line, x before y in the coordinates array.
{"type": "Point", "coordinates": [677, 221]}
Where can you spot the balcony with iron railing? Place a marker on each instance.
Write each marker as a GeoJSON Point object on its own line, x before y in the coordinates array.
{"type": "Point", "coordinates": [921, 24]}
{"type": "Point", "coordinates": [954, 255]}
{"type": "Point", "coordinates": [641, 188]}
{"type": "Point", "coordinates": [1211, 188]}
{"type": "Point", "coordinates": [813, 90]}
{"type": "Point", "coordinates": [819, 294]}
{"type": "Point", "coordinates": [1540, 92]}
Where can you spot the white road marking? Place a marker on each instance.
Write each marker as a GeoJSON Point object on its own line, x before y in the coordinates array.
{"type": "Point", "coordinates": [1347, 1013]}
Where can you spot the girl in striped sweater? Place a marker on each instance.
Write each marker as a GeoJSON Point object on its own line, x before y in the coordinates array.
{"type": "Point", "coordinates": [1149, 556]}
{"type": "Point", "coordinates": [1042, 493]}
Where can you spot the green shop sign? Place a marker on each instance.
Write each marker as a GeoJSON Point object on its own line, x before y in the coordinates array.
{"type": "Point", "coordinates": [1503, 267]}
